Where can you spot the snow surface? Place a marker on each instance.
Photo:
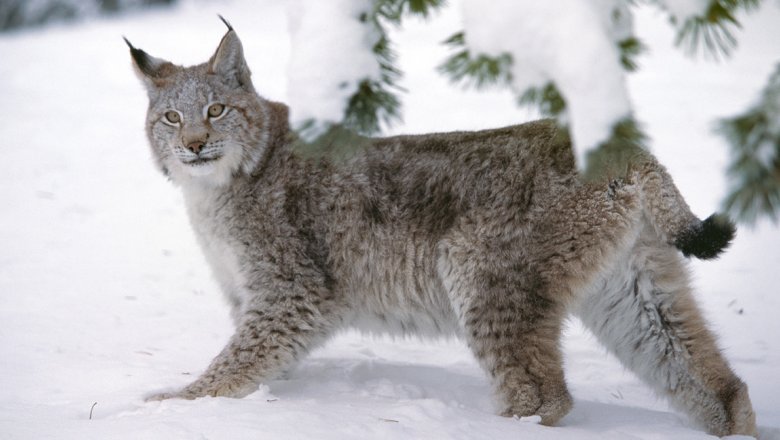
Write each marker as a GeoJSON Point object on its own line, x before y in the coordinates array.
{"type": "Point", "coordinates": [104, 295]}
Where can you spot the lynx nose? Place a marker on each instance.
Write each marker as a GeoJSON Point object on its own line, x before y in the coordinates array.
{"type": "Point", "coordinates": [196, 146]}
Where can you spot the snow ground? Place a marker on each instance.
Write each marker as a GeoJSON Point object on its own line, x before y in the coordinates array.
{"type": "Point", "coordinates": [105, 297]}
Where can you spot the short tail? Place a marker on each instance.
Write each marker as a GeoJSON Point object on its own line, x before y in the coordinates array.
{"type": "Point", "coordinates": [671, 217]}
{"type": "Point", "coordinates": [707, 239]}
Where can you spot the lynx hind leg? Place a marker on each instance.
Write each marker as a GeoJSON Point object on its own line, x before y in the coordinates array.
{"type": "Point", "coordinates": [512, 325]}
{"type": "Point", "coordinates": [273, 332]}
{"type": "Point", "coordinates": [645, 314]}
{"type": "Point", "coordinates": [511, 290]}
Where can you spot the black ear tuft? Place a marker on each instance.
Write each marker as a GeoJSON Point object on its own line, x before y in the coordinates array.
{"type": "Point", "coordinates": [707, 239]}
{"type": "Point", "coordinates": [228, 61]}
{"type": "Point", "coordinates": [230, 28]}
{"type": "Point", "coordinates": [149, 68]}
{"type": "Point", "coordinates": [141, 58]}
{"type": "Point", "coordinates": [144, 62]}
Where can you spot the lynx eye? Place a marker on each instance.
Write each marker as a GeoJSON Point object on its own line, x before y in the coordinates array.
{"type": "Point", "coordinates": [172, 117]}
{"type": "Point", "coordinates": [215, 110]}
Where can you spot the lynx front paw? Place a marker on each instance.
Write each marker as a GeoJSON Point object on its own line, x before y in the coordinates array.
{"type": "Point", "coordinates": [555, 409]}
{"type": "Point", "coordinates": [550, 407]}
{"type": "Point", "coordinates": [549, 412]}
{"type": "Point", "coordinates": [156, 397]}
{"type": "Point", "coordinates": [224, 387]}
{"type": "Point", "coordinates": [165, 395]}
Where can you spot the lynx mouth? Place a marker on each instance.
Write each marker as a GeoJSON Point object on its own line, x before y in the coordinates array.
{"type": "Point", "coordinates": [201, 161]}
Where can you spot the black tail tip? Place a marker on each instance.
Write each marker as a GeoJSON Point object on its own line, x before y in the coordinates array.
{"type": "Point", "coordinates": [707, 239]}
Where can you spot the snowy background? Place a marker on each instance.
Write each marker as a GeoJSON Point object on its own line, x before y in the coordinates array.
{"type": "Point", "coordinates": [105, 297]}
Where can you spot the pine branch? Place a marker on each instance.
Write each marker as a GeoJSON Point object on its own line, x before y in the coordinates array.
{"type": "Point", "coordinates": [479, 71]}
{"type": "Point", "coordinates": [394, 10]}
{"type": "Point", "coordinates": [548, 99]}
{"type": "Point", "coordinates": [630, 49]}
{"type": "Point", "coordinates": [376, 101]}
{"type": "Point", "coordinates": [372, 105]}
{"type": "Point", "coordinates": [754, 137]}
{"type": "Point", "coordinates": [712, 34]}
{"type": "Point", "coordinates": [611, 160]}
{"type": "Point", "coordinates": [335, 142]}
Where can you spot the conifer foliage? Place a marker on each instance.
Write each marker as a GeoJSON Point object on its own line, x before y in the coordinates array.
{"type": "Point", "coordinates": [713, 32]}
{"type": "Point", "coordinates": [754, 171]}
{"type": "Point", "coordinates": [376, 100]}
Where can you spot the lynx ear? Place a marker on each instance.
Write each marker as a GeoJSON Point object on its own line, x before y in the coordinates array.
{"type": "Point", "coordinates": [228, 61]}
{"type": "Point", "coordinates": [151, 70]}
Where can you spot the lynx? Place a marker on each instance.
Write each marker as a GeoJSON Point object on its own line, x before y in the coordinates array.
{"type": "Point", "coordinates": [491, 236]}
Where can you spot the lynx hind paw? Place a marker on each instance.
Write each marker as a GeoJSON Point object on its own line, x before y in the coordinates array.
{"type": "Point", "coordinates": [228, 386]}
{"type": "Point", "coordinates": [706, 240]}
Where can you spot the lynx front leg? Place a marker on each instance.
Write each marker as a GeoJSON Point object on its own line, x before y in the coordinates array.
{"type": "Point", "coordinates": [513, 328]}
{"type": "Point", "coordinates": [272, 334]}
{"type": "Point", "coordinates": [645, 314]}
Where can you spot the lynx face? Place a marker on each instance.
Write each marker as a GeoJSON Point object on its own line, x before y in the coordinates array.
{"type": "Point", "coordinates": [203, 120]}
{"type": "Point", "coordinates": [197, 128]}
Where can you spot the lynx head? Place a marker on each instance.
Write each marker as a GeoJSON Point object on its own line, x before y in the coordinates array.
{"type": "Point", "coordinates": [205, 123]}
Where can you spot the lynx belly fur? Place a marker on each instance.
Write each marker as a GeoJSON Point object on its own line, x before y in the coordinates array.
{"type": "Point", "coordinates": [488, 235]}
